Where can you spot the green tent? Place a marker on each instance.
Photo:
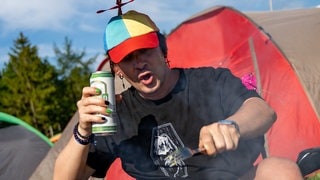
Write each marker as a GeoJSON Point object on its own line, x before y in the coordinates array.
{"type": "Point", "coordinates": [22, 148]}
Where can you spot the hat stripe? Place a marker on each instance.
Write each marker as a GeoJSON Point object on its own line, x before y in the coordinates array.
{"type": "Point", "coordinates": [117, 36]}
{"type": "Point", "coordinates": [136, 28]}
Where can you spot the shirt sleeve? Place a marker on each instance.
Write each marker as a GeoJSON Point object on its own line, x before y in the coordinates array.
{"type": "Point", "coordinates": [233, 92]}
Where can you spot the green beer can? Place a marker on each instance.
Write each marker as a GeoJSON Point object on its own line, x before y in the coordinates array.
{"type": "Point", "coordinates": [104, 80]}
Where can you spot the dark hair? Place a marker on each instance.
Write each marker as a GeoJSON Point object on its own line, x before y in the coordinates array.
{"type": "Point", "coordinates": [163, 44]}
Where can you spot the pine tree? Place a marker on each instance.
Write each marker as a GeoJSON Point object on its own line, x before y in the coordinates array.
{"type": "Point", "coordinates": [27, 85]}
{"type": "Point", "coordinates": [73, 75]}
{"type": "Point", "coordinates": [39, 93]}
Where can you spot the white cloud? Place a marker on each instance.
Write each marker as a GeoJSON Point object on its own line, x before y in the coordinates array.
{"type": "Point", "coordinates": [77, 19]}
{"type": "Point", "coordinates": [35, 14]}
{"type": "Point", "coordinates": [61, 15]}
{"type": "Point", "coordinates": [167, 14]}
{"type": "Point", "coordinates": [55, 15]}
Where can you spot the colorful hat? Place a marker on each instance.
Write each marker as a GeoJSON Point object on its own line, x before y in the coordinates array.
{"type": "Point", "coordinates": [129, 32]}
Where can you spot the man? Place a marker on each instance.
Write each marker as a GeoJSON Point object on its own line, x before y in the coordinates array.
{"type": "Point", "coordinates": [167, 109]}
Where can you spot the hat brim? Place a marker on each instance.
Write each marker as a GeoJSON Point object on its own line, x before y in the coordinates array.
{"type": "Point", "coordinates": [149, 40]}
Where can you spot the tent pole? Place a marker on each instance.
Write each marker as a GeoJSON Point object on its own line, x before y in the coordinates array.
{"type": "Point", "coordinates": [270, 5]}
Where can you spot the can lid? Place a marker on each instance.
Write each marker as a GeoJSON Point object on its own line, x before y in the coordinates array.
{"type": "Point", "coordinates": [101, 74]}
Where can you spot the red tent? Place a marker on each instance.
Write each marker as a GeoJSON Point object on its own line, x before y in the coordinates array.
{"type": "Point", "coordinates": [283, 60]}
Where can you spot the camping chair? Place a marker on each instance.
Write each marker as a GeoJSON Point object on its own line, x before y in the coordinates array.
{"type": "Point", "coordinates": [309, 161]}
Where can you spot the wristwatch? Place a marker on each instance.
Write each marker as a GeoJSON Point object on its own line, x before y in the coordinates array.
{"type": "Point", "coordinates": [230, 122]}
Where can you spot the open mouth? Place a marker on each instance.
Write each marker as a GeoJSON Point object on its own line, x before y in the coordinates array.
{"type": "Point", "coordinates": [146, 78]}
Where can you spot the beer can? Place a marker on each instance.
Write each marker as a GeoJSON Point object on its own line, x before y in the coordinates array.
{"type": "Point", "coordinates": [104, 80]}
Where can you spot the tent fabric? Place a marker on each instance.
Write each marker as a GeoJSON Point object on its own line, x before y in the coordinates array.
{"type": "Point", "coordinates": [232, 39]}
{"type": "Point", "coordinates": [22, 148]}
{"type": "Point", "coordinates": [297, 35]}
{"type": "Point", "coordinates": [45, 169]}
{"type": "Point", "coordinates": [13, 120]}
{"type": "Point", "coordinates": [283, 58]}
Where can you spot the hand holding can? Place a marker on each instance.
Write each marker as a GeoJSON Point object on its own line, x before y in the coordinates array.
{"type": "Point", "coordinates": [104, 81]}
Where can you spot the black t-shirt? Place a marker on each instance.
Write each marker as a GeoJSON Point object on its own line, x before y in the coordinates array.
{"type": "Point", "coordinates": [148, 131]}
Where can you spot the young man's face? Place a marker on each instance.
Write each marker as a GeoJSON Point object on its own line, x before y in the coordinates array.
{"type": "Point", "coordinates": [145, 69]}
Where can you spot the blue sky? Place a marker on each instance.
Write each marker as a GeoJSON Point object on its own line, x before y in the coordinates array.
{"type": "Point", "coordinates": [48, 22]}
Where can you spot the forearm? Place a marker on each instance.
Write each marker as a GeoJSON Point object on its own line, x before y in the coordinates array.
{"type": "Point", "coordinates": [71, 162]}
{"type": "Point", "coordinates": [254, 118]}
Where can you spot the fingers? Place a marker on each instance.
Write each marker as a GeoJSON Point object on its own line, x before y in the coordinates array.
{"type": "Point", "coordinates": [90, 91]}
{"type": "Point", "coordinates": [89, 106]}
{"type": "Point", "coordinates": [230, 136]}
{"type": "Point", "coordinates": [89, 97]}
{"type": "Point", "coordinates": [216, 138]}
{"type": "Point", "coordinates": [92, 105]}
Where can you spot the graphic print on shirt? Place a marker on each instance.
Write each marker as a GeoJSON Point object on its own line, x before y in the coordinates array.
{"type": "Point", "coordinates": [165, 141]}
